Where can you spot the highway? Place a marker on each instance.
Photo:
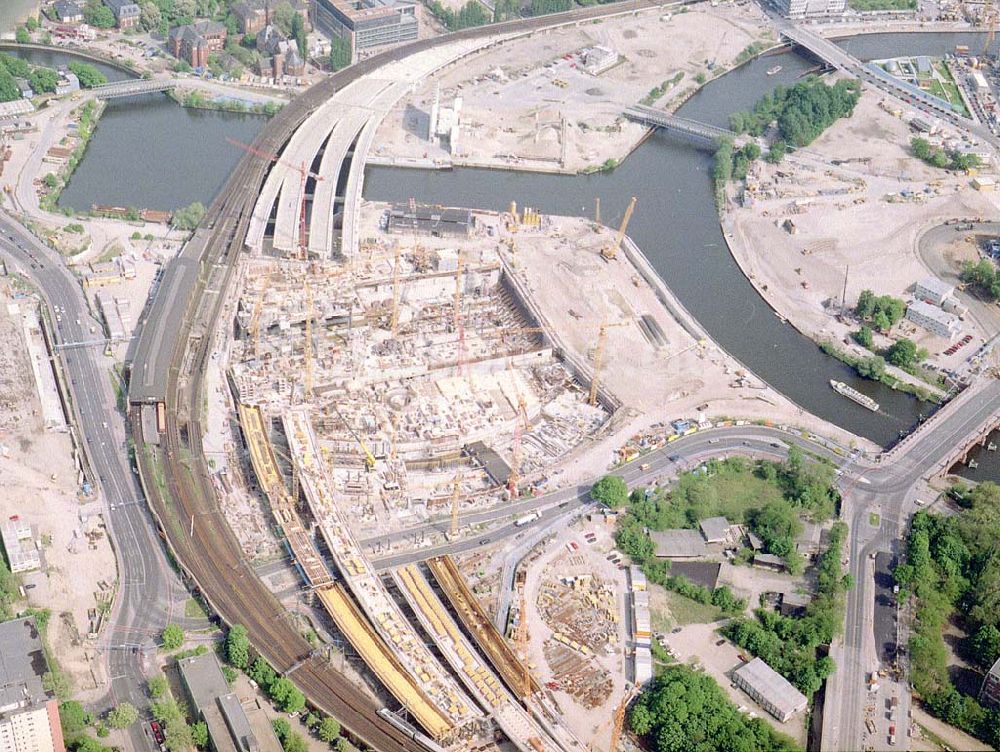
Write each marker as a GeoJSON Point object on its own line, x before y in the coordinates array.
{"type": "Point", "coordinates": [148, 588]}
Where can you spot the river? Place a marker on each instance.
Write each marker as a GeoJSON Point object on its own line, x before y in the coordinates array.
{"type": "Point", "coordinates": [174, 156]}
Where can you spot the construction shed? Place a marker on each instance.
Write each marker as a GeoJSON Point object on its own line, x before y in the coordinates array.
{"type": "Point", "coordinates": [679, 544]}
{"type": "Point", "coordinates": [439, 221]}
{"type": "Point", "coordinates": [769, 689]}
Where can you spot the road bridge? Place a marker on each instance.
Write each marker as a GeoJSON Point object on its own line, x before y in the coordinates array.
{"type": "Point", "coordinates": [653, 118]}
{"type": "Point", "coordinates": [132, 88]}
{"type": "Point", "coordinates": [836, 56]}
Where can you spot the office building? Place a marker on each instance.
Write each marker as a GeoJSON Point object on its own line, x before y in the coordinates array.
{"type": "Point", "coordinates": [366, 23]}
{"type": "Point", "coordinates": [810, 8]}
{"type": "Point", "coordinates": [29, 717]}
{"type": "Point", "coordinates": [934, 319]}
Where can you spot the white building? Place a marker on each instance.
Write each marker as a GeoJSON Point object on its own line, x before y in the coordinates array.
{"type": "Point", "coordinates": [769, 689]}
{"type": "Point", "coordinates": [445, 122]}
{"type": "Point", "coordinates": [598, 59]}
{"type": "Point", "coordinates": [933, 290]}
{"type": "Point", "coordinates": [934, 319]}
{"type": "Point", "coordinates": [19, 545]}
{"type": "Point", "coordinates": [810, 8]}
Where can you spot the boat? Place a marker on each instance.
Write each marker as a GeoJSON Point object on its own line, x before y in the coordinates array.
{"type": "Point", "coordinates": [775, 69]}
{"type": "Point", "coordinates": [853, 394]}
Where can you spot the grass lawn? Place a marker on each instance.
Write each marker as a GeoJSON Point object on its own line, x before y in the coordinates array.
{"type": "Point", "coordinates": [686, 611]}
{"type": "Point", "coordinates": [874, 519]}
{"type": "Point", "coordinates": [193, 610]}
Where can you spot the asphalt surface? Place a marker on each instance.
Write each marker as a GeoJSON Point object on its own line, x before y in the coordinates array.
{"type": "Point", "coordinates": [147, 585]}
{"type": "Point", "coordinates": [891, 489]}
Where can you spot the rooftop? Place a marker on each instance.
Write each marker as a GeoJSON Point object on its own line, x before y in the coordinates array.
{"type": "Point", "coordinates": [938, 287]}
{"type": "Point", "coordinates": [932, 312]}
{"type": "Point", "coordinates": [19, 545]}
{"type": "Point", "coordinates": [772, 686]}
{"type": "Point", "coordinates": [769, 559]}
{"type": "Point", "coordinates": [203, 678]}
{"type": "Point", "coordinates": [715, 529]}
{"type": "Point", "coordinates": [22, 664]}
{"type": "Point", "coordinates": [672, 544]}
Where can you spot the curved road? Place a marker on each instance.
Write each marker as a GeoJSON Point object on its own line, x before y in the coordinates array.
{"type": "Point", "coordinates": [148, 588]}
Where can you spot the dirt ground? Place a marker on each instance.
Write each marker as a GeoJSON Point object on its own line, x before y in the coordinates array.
{"type": "Point", "coordinates": [557, 560]}
{"type": "Point", "coordinates": [40, 484]}
{"type": "Point", "coordinates": [529, 104]}
{"type": "Point", "coordinates": [868, 231]}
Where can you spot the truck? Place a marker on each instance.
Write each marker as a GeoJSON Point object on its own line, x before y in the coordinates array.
{"type": "Point", "coordinates": [522, 521]}
{"type": "Point", "coordinates": [892, 733]}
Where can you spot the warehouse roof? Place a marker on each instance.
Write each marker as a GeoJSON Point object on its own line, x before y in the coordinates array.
{"type": "Point", "coordinates": [772, 686]}
{"type": "Point", "coordinates": [22, 663]}
{"type": "Point", "coordinates": [939, 287]}
{"type": "Point", "coordinates": [715, 529]}
{"type": "Point", "coordinates": [679, 544]}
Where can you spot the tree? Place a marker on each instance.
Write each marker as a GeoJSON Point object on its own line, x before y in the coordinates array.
{"type": "Point", "coordinates": [21, 35]}
{"type": "Point", "coordinates": [199, 734]}
{"type": "Point", "coordinates": [262, 673]}
{"type": "Point", "coordinates": [172, 637]}
{"type": "Point", "coordinates": [179, 735]}
{"type": "Point", "coordinates": [284, 14]}
{"type": "Point", "coordinates": [986, 645]}
{"type": "Point", "coordinates": [329, 729]}
{"type": "Point", "coordinates": [51, 181]}
{"type": "Point", "coordinates": [904, 353]}
{"type": "Point", "coordinates": [188, 218]}
{"type": "Point", "coordinates": [72, 719]}
{"type": "Point", "coordinates": [89, 75]}
{"type": "Point", "coordinates": [43, 80]}
{"type": "Point", "coordinates": [287, 695]}
{"type": "Point", "coordinates": [298, 33]}
{"type": "Point", "coordinates": [864, 337]}
{"type": "Point", "coordinates": [149, 16]}
{"type": "Point", "coordinates": [340, 53]}
{"type": "Point", "coordinates": [282, 728]}
{"type": "Point", "coordinates": [56, 683]}
{"type": "Point", "coordinates": [238, 647]}
{"type": "Point", "coordinates": [123, 716]}
{"type": "Point", "coordinates": [872, 367]}
{"type": "Point", "coordinates": [98, 15]}
{"type": "Point", "coordinates": [157, 686]}
{"type": "Point", "coordinates": [611, 491]}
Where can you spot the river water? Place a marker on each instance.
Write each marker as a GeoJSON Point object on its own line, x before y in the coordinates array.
{"type": "Point", "coordinates": [148, 152]}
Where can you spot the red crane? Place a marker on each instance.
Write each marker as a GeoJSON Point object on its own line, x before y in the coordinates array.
{"type": "Point", "coordinates": [304, 172]}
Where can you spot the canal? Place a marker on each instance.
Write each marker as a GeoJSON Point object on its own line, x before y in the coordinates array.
{"type": "Point", "coordinates": [149, 152]}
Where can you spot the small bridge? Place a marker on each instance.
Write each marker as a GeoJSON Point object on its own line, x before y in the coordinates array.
{"type": "Point", "coordinates": [654, 118]}
{"type": "Point", "coordinates": [131, 88]}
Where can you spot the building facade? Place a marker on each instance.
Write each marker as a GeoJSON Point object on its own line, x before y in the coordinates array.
{"type": "Point", "coordinates": [810, 8]}
{"type": "Point", "coordinates": [934, 319]}
{"type": "Point", "coordinates": [280, 56]}
{"type": "Point", "coordinates": [989, 694]}
{"type": "Point", "coordinates": [126, 13]}
{"type": "Point", "coordinates": [366, 23]}
{"type": "Point", "coordinates": [194, 43]}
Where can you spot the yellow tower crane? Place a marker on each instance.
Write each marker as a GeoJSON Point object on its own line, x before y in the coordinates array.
{"type": "Point", "coordinates": [608, 253]}
{"type": "Point", "coordinates": [369, 457]}
{"type": "Point", "coordinates": [602, 340]}
{"type": "Point", "coordinates": [515, 456]}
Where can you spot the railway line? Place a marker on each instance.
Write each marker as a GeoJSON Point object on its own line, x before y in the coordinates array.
{"type": "Point", "coordinates": [173, 469]}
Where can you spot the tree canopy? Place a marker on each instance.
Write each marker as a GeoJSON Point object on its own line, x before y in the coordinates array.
{"type": "Point", "coordinates": [610, 491]}
{"type": "Point", "coordinates": [881, 311]}
{"type": "Point", "coordinates": [686, 711]}
{"type": "Point", "coordinates": [88, 74]}
{"type": "Point", "coordinates": [238, 646]}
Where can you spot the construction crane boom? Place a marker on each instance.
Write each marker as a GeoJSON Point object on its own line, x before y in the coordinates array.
{"type": "Point", "coordinates": [610, 252]}
{"type": "Point", "coordinates": [515, 456]}
{"type": "Point", "coordinates": [602, 338]}
{"type": "Point", "coordinates": [369, 457]}
{"type": "Point", "coordinates": [304, 172]}
{"type": "Point", "coordinates": [455, 498]}
{"type": "Point", "coordinates": [307, 348]}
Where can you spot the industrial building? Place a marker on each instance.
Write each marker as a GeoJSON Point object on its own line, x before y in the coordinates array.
{"type": "Point", "coordinates": [230, 728]}
{"type": "Point", "coordinates": [439, 221]}
{"type": "Point", "coordinates": [716, 530]}
{"type": "Point", "coordinates": [19, 545]}
{"type": "Point", "coordinates": [769, 689]}
{"type": "Point", "coordinates": [989, 693]}
{"type": "Point", "coordinates": [366, 23]}
{"type": "Point", "coordinates": [679, 544]}
{"type": "Point", "coordinates": [641, 626]}
{"type": "Point", "coordinates": [810, 8]}
{"type": "Point", "coordinates": [932, 290]}
{"type": "Point", "coordinates": [933, 319]}
{"type": "Point", "coordinates": [29, 717]}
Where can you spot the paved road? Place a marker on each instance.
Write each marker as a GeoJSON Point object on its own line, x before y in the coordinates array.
{"type": "Point", "coordinates": [891, 490]}
{"type": "Point", "coordinates": [148, 587]}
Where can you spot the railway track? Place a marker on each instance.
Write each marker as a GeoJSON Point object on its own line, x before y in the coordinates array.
{"type": "Point", "coordinates": [174, 473]}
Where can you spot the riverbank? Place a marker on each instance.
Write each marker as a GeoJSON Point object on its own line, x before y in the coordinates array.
{"type": "Point", "coordinates": [843, 215]}
{"type": "Point", "coordinates": [223, 103]}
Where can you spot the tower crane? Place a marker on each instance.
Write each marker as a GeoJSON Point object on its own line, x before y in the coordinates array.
{"type": "Point", "coordinates": [608, 253]}
{"type": "Point", "coordinates": [395, 293]}
{"type": "Point", "coordinates": [991, 34]}
{"type": "Point", "coordinates": [455, 498]}
{"type": "Point", "coordinates": [304, 172]}
{"type": "Point", "coordinates": [515, 455]}
{"type": "Point", "coordinates": [307, 389]}
{"type": "Point", "coordinates": [369, 457]}
{"type": "Point", "coordinates": [602, 340]}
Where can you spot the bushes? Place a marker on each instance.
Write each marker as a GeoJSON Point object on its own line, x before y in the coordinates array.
{"type": "Point", "coordinates": [935, 156]}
